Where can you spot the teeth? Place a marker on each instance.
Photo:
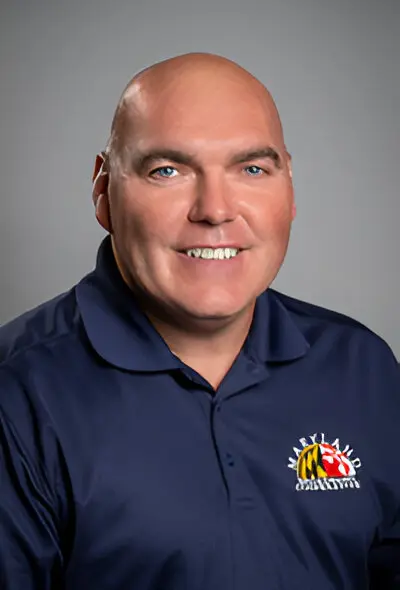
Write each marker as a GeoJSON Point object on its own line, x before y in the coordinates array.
{"type": "Point", "coordinates": [207, 253]}
{"type": "Point", "coordinates": [213, 253]}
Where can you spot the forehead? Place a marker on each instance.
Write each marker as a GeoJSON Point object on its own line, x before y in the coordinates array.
{"type": "Point", "coordinates": [201, 113]}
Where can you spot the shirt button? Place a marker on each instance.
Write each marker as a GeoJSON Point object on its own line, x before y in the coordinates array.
{"type": "Point", "coordinates": [230, 460]}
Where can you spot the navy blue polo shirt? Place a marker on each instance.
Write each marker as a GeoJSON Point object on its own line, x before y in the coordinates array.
{"type": "Point", "coordinates": [122, 469]}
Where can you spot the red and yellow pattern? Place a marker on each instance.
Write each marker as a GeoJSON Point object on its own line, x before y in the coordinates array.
{"type": "Point", "coordinates": [322, 460]}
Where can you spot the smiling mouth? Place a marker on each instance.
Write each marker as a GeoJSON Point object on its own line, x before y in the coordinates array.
{"type": "Point", "coordinates": [212, 253]}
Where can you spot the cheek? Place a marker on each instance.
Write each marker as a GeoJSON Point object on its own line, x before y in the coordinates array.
{"type": "Point", "coordinates": [272, 220]}
{"type": "Point", "coordinates": [268, 207]}
{"type": "Point", "coordinates": [141, 217]}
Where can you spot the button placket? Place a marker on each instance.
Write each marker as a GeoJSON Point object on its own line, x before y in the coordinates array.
{"type": "Point", "coordinates": [227, 458]}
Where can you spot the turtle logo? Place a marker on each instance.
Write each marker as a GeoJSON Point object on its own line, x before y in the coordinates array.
{"type": "Point", "coordinates": [321, 465]}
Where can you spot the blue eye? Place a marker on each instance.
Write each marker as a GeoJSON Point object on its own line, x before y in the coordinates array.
{"type": "Point", "coordinates": [164, 172]}
{"type": "Point", "coordinates": [254, 170]}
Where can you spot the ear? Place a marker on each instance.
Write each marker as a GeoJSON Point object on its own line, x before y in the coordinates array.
{"type": "Point", "coordinates": [289, 163]}
{"type": "Point", "coordinates": [100, 179]}
{"type": "Point", "coordinates": [290, 171]}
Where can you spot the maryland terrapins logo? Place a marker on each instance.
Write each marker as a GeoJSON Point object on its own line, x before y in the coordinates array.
{"type": "Point", "coordinates": [321, 465]}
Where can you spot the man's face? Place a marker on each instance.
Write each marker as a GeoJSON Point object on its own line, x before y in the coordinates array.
{"type": "Point", "coordinates": [202, 203]}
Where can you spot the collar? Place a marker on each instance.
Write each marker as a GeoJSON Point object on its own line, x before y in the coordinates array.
{"type": "Point", "coordinates": [124, 337]}
{"type": "Point", "coordinates": [274, 336]}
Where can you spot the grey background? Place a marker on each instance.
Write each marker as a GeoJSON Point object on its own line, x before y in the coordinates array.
{"type": "Point", "coordinates": [333, 68]}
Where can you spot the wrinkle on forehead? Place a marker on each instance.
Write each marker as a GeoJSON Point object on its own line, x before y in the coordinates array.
{"type": "Point", "coordinates": [172, 78]}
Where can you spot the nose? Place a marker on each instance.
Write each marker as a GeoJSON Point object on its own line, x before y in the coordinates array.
{"type": "Point", "coordinates": [214, 202]}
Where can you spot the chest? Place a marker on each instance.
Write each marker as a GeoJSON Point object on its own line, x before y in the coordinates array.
{"type": "Point", "coordinates": [221, 487]}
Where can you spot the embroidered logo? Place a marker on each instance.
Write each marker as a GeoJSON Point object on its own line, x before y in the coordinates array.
{"type": "Point", "coordinates": [321, 465]}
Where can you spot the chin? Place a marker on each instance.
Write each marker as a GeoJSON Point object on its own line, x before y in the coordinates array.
{"type": "Point", "coordinates": [216, 311]}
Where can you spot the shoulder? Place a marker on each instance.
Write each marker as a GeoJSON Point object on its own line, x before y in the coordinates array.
{"type": "Point", "coordinates": [41, 351]}
{"type": "Point", "coordinates": [326, 328]}
{"type": "Point", "coordinates": [43, 327]}
{"type": "Point", "coordinates": [314, 314]}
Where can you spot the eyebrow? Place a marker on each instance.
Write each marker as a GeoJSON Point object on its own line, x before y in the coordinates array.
{"type": "Point", "coordinates": [258, 154]}
{"type": "Point", "coordinates": [143, 160]}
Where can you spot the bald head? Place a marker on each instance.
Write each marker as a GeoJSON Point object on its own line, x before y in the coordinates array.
{"type": "Point", "coordinates": [183, 81]}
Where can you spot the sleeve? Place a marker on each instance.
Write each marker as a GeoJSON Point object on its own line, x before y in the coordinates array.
{"type": "Point", "coordinates": [384, 559]}
{"type": "Point", "coordinates": [30, 553]}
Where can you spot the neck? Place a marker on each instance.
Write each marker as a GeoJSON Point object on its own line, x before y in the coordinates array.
{"type": "Point", "coordinates": [208, 347]}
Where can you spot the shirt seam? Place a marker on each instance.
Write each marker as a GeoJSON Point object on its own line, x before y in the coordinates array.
{"type": "Point", "coordinates": [26, 457]}
{"type": "Point", "coordinates": [7, 362]}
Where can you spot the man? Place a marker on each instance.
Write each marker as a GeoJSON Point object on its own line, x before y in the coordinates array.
{"type": "Point", "coordinates": [172, 422]}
